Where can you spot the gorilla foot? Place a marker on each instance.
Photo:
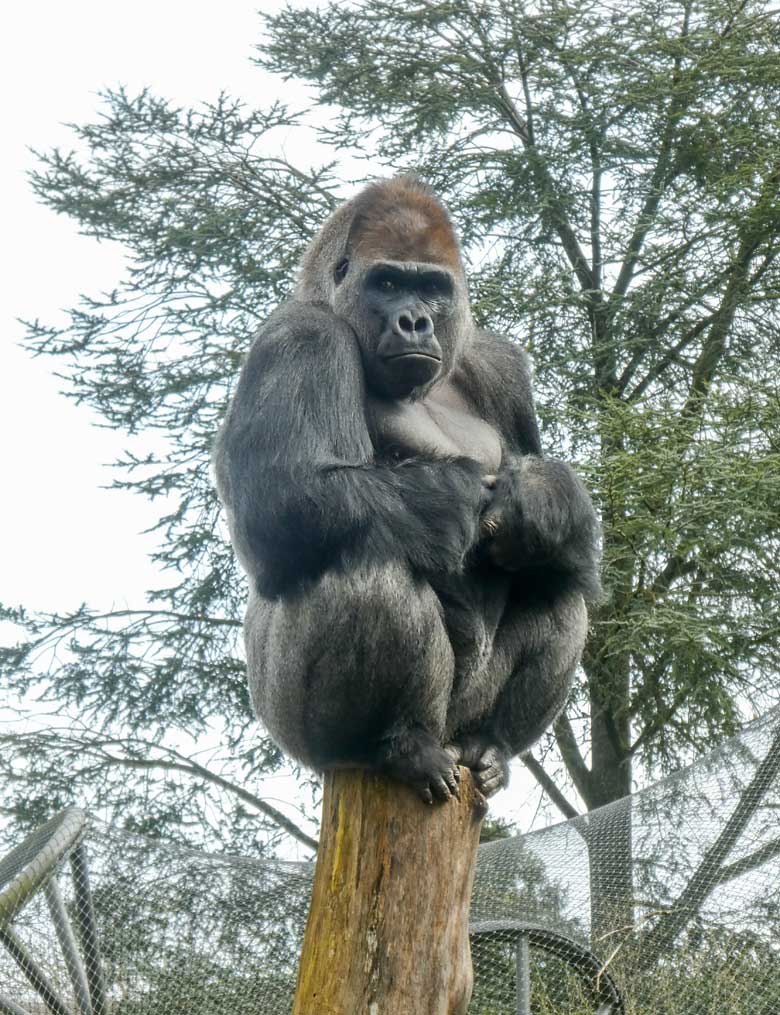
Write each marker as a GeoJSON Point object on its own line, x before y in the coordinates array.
{"type": "Point", "coordinates": [488, 762]}
{"type": "Point", "coordinates": [416, 758]}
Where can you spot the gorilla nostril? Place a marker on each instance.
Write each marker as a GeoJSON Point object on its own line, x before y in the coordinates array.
{"type": "Point", "coordinates": [405, 323]}
{"type": "Point", "coordinates": [423, 324]}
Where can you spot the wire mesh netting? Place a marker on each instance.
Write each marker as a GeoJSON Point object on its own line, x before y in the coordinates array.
{"type": "Point", "coordinates": [665, 902]}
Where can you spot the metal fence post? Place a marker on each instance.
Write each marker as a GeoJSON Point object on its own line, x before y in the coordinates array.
{"type": "Point", "coordinates": [523, 976]}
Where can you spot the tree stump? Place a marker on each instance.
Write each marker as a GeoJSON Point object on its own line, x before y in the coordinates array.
{"type": "Point", "coordinates": [388, 926]}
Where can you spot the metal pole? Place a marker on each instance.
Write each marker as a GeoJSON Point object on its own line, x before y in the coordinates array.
{"type": "Point", "coordinates": [87, 928]}
{"type": "Point", "coordinates": [38, 979]}
{"type": "Point", "coordinates": [523, 976]}
{"type": "Point", "coordinates": [70, 949]}
{"type": "Point", "coordinates": [9, 1007]}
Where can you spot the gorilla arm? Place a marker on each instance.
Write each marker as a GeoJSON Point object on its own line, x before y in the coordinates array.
{"type": "Point", "coordinates": [296, 471]}
{"type": "Point", "coordinates": [540, 526]}
{"type": "Point", "coordinates": [540, 518]}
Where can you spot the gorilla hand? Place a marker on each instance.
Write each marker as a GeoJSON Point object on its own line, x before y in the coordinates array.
{"type": "Point", "coordinates": [540, 515]}
{"type": "Point", "coordinates": [442, 501]}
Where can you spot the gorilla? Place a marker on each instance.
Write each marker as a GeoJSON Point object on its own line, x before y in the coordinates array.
{"type": "Point", "coordinates": [418, 570]}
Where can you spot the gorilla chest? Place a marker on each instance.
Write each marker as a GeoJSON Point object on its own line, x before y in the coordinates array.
{"type": "Point", "coordinates": [442, 424]}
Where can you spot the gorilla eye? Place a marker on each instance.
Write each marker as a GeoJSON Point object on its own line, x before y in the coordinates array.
{"type": "Point", "coordinates": [340, 271]}
{"type": "Point", "coordinates": [435, 286]}
{"type": "Point", "coordinates": [385, 280]}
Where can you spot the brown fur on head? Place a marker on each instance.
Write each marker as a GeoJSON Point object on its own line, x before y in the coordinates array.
{"type": "Point", "coordinates": [403, 220]}
{"type": "Point", "coordinates": [399, 219]}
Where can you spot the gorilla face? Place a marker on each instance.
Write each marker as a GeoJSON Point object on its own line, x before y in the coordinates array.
{"type": "Point", "coordinates": [388, 263]}
{"type": "Point", "coordinates": [401, 312]}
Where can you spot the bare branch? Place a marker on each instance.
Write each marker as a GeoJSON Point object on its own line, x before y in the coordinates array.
{"type": "Point", "coordinates": [708, 874]}
{"type": "Point", "coordinates": [549, 787]}
{"type": "Point", "coordinates": [575, 764]}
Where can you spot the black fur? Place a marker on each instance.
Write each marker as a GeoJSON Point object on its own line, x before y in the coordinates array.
{"type": "Point", "coordinates": [418, 568]}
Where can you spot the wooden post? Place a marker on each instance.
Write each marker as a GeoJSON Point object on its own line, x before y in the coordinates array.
{"type": "Point", "coordinates": [388, 926]}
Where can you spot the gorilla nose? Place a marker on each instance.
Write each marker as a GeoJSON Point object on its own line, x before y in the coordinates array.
{"type": "Point", "coordinates": [413, 326]}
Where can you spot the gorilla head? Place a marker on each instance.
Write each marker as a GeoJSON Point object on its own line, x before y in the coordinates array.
{"type": "Point", "coordinates": [388, 263]}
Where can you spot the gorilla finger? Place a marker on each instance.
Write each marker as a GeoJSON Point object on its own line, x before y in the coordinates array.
{"type": "Point", "coordinates": [440, 788]}
{"type": "Point", "coordinates": [426, 795]}
{"type": "Point", "coordinates": [487, 760]}
{"type": "Point", "coordinates": [470, 755]}
{"type": "Point", "coordinates": [490, 523]}
{"type": "Point", "coordinates": [452, 780]}
{"type": "Point", "coordinates": [455, 752]}
{"type": "Point", "coordinates": [491, 782]}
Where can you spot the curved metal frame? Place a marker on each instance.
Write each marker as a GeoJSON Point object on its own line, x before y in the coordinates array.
{"type": "Point", "coordinates": [30, 866]}
{"type": "Point", "coordinates": [46, 846]}
{"type": "Point", "coordinates": [583, 961]}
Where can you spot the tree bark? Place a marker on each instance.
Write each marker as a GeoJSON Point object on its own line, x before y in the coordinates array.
{"type": "Point", "coordinates": [388, 925]}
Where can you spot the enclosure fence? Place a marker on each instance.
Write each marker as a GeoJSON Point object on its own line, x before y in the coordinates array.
{"type": "Point", "coordinates": [664, 903]}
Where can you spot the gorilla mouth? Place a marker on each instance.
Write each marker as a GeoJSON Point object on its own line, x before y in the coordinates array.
{"type": "Point", "coordinates": [413, 357]}
{"type": "Point", "coordinates": [404, 371]}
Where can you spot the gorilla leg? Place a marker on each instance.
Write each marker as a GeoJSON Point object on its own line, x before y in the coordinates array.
{"type": "Point", "coordinates": [506, 709]}
{"type": "Point", "coordinates": [356, 670]}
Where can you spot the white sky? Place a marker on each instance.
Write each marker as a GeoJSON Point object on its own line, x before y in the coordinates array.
{"type": "Point", "coordinates": [62, 539]}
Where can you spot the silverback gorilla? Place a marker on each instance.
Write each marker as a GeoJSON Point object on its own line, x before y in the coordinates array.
{"type": "Point", "coordinates": [418, 570]}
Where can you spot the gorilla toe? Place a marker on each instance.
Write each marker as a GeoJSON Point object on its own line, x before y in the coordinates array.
{"type": "Point", "coordinates": [414, 757]}
{"type": "Point", "coordinates": [489, 764]}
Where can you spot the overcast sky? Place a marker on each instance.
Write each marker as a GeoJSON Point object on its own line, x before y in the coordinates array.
{"type": "Point", "coordinates": [63, 540]}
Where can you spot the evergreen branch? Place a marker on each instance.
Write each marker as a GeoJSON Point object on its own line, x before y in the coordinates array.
{"type": "Point", "coordinates": [173, 761]}
{"type": "Point", "coordinates": [549, 194]}
{"type": "Point", "coordinates": [659, 179]}
{"type": "Point", "coordinates": [193, 768]}
{"type": "Point", "coordinates": [678, 566]}
{"type": "Point", "coordinates": [714, 345]}
{"type": "Point", "coordinates": [661, 718]}
{"type": "Point", "coordinates": [671, 356]}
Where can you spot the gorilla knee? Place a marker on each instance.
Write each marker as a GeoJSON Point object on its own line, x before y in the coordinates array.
{"type": "Point", "coordinates": [335, 668]}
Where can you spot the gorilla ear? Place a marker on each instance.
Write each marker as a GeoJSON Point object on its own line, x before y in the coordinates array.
{"type": "Point", "coordinates": [340, 271]}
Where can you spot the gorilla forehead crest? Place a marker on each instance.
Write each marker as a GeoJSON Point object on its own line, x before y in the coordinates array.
{"type": "Point", "coordinates": [403, 220]}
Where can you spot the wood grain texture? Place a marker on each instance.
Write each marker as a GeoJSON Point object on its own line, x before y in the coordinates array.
{"type": "Point", "coordinates": [387, 932]}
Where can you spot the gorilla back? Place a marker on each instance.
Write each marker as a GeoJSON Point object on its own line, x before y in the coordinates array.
{"type": "Point", "coordinates": [418, 569]}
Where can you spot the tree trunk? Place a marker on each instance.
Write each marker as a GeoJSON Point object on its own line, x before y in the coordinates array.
{"type": "Point", "coordinates": [388, 925]}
